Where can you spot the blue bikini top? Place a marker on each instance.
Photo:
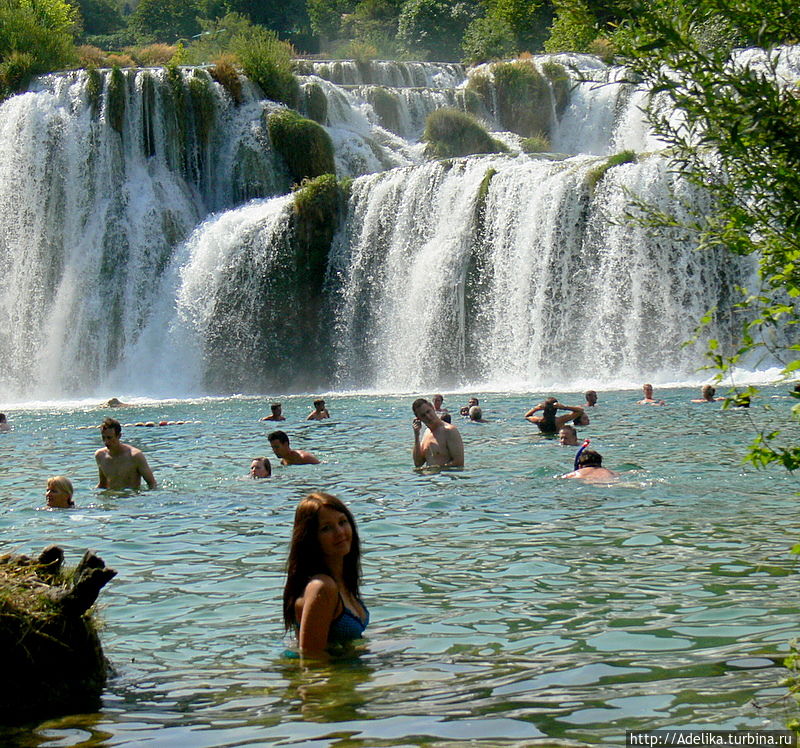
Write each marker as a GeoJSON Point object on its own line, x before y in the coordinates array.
{"type": "Point", "coordinates": [347, 625]}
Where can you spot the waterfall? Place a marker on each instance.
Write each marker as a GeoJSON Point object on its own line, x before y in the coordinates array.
{"type": "Point", "coordinates": [148, 239]}
{"type": "Point", "coordinates": [521, 286]}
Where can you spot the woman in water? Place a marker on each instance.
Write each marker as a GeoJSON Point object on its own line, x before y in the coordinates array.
{"type": "Point", "coordinates": [549, 422]}
{"type": "Point", "coordinates": [59, 492]}
{"type": "Point", "coordinates": [320, 599]}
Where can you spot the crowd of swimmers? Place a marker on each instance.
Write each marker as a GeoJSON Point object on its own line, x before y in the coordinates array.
{"type": "Point", "coordinates": [322, 605]}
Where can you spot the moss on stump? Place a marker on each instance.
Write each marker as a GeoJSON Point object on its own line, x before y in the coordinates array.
{"type": "Point", "coordinates": [50, 649]}
{"type": "Point", "coordinates": [450, 133]}
{"type": "Point", "coordinates": [305, 146]}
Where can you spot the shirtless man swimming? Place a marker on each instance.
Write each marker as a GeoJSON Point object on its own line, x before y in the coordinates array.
{"type": "Point", "coordinates": [648, 399]}
{"type": "Point", "coordinates": [707, 395]}
{"type": "Point", "coordinates": [120, 465]}
{"type": "Point", "coordinates": [276, 415]}
{"type": "Point", "coordinates": [590, 468]}
{"type": "Point", "coordinates": [288, 456]}
{"type": "Point", "coordinates": [441, 445]}
{"type": "Point", "coordinates": [319, 413]}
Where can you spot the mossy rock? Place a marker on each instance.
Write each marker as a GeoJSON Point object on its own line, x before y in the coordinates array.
{"type": "Point", "coordinates": [316, 103]}
{"type": "Point", "coordinates": [560, 82]}
{"type": "Point", "coordinates": [225, 73]}
{"type": "Point", "coordinates": [598, 172]}
{"type": "Point", "coordinates": [386, 106]}
{"type": "Point", "coordinates": [115, 99]}
{"type": "Point", "coordinates": [479, 88]}
{"type": "Point", "coordinates": [94, 90]}
{"type": "Point", "coordinates": [483, 190]}
{"type": "Point", "coordinates": [203, 106]}
{"type": "Point", "coordinates": [450, 134]}
{"type": "Point", "coordinates": [523, 96]}
{"type": "Point", "coordinates": [49, 645]}
{"type": "Point", "coordinates": [304, 145]}
{"type": "Point", "coordinates": [317, 206]}
{"type": "Point", "coordinates": [148, 100]}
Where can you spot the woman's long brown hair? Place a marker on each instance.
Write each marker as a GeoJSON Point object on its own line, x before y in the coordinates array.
{"type": "Point", "coordinates": [305, 555]}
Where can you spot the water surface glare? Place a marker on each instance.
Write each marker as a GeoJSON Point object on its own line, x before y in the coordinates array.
{"type": "Point", "coordinates": [507, 605]}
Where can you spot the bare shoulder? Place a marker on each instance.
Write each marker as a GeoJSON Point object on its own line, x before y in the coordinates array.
{"type": "Point", "coordinates": [102, 452]}
{"type": "Point", "coordinates": [321, 584]}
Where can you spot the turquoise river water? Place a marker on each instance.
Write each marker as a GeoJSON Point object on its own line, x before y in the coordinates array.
{"type": "Point", "coordinates": [507, 606]}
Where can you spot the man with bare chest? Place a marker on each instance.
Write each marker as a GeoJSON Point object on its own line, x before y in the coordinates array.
{"type": "Point", "coordinates": [120, 465]}
{"type": "Point", "coordinates": [441, 444]}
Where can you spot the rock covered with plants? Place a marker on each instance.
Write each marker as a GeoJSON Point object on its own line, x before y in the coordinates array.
{"type": "Point", "coordinates": [50, 648]}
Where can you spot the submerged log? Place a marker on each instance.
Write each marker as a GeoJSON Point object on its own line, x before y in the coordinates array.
{"type": "Point", "coordinates": [50, 649]}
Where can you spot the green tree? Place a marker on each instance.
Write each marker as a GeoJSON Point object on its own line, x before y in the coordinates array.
{"type": "Point", "coordinates": [488, 39]}
{"type": "Point", "coordinates": [36, 36]}
{"type": "Point", "coordinates": [433, 29]}
{"type": "Point", "coordinates": [529, 19]}
{"type": "Point", "coordinates": [574, 27]}
{"type": "Point", "coordinates": [165, 20]}
{"type": "Point", "coordinates": [375, 22]}
{"type": "Point", "coordinates": [286, 17]}
{"type": "Point", "coordinates": [737, 137]}
{"type": "Point", "coordinates": [100, 17]}
{"type": "Point", "coordinates": [325, 16]}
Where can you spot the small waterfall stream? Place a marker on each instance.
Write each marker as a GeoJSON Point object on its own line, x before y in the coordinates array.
{"type": "Point", "coordinates": [143, 215]}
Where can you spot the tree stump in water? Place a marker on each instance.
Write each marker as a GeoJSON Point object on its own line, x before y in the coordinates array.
{"type": "Point", "coordinates": [52, 659]}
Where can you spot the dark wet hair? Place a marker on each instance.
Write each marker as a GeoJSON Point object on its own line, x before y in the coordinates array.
{"type": "Point", "coordinates": [111, 423]}
{"type": "Point", "coordinates": [590, 458]}
{"type": "Point", "coordinates": [279, 436]}
{"type": "Point", "coordinates": [418, 403]}
{"type": "Point", "coordinates": [275, 406]}
{"type": "Point", "coordinates": [305, 555]}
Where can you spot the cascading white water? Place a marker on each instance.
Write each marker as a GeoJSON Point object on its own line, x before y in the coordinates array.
{"type": "Point", "coordinates": [510, 271]}
{"type": "Point", "coordinates": [545, 289]}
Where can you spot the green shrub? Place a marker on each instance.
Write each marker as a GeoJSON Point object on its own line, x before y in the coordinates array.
{"type": "Point", "coordinates": [536, 144]}
{"type": "Point", "coordinates": [450, 133]}
{"type": "Point", "coordinates": [152, 55]}
{"type": "Point", "coordinates": [305, 146]}
{"type": "Point", "coordinates": [225, 73]}
{"type": "Point", "coordinates": [386, 106]}
{"type": "Point", "coordinates": [34, 39]}
{"type": "Point", "coordinates": [316, 103]}
{"type": "Point", "coordinates": [603, 48]}
{"type": "Point", "coordinates": [216, 38]}
{"type": "Point", "coordinates": [15, 71]}
{"type": "Point", "coordinates": [267, 61]}
{"type": "Point", "coordinates": [523, 98]}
